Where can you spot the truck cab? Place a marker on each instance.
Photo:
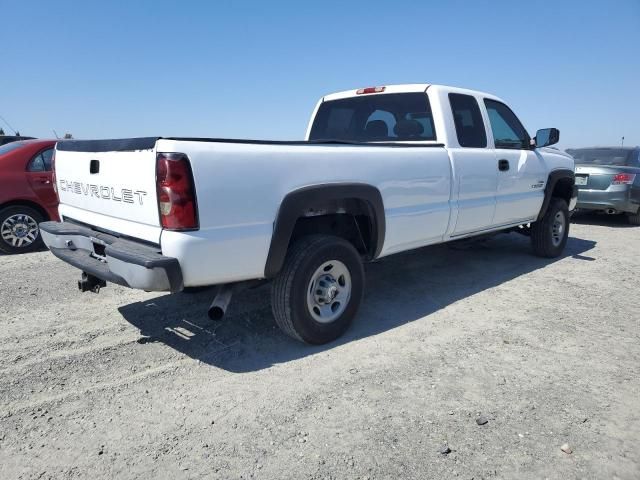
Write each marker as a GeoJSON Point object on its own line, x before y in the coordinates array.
{"type": "Point", "coordinates": [499, 173]}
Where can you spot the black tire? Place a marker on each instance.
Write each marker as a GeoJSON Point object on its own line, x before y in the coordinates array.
{"type": "Point", "coordinates": [289, 290]}
{"type": "Point", "coordinates": [546, 240]}
{"type": "Point", "coordinates": [634, 218]}
{"type": "Point", "coordinates": [6, 243]}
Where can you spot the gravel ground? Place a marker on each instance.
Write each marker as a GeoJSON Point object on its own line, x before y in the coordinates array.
{"type": "Point", "coordinates": [127, 384]}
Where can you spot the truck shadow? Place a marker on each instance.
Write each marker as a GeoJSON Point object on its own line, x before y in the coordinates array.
{"type": "Point", "coordinates": [400, 289]}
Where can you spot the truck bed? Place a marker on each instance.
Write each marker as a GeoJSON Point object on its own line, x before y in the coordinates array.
{"type": "Point", "coordinates": [240, 185]}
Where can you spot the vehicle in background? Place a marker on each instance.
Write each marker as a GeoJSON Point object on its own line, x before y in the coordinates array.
{"type": "Point", "coordinates": [27, 194]}
{"type": "Point", "coordinates": [383, 170]}
{"type": "Point", "coordinates": [4, 139]}
{"type": "Point", "coordinates": [608, 180]}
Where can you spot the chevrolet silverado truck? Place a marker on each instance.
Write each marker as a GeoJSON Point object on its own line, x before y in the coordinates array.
{"type": "Point", "coordinates": [382, 170]}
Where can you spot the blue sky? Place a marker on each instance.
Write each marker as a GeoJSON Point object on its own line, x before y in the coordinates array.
{"type": "Point", "coordinates": [255, 69]}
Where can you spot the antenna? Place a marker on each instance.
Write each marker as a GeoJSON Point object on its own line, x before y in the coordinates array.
{"type": "Point", "coordinates": [622, 144]}
{"type": "Point", "coordinates": [55, 133]}
{"type": "Point", "coordinates": [14, 130]}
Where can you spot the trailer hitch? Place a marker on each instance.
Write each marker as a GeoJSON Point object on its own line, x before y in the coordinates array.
{"type": "Point", "coordinates": [89, 283]}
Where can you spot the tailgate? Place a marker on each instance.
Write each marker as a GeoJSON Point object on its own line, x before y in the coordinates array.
{"type": "Point", "coordinates": [110, 184]}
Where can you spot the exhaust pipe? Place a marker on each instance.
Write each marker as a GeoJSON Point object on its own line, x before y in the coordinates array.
{"type": "Point", "coordinates": [610, 211]}
{"type": "Point", "coordinates": [221, 301]}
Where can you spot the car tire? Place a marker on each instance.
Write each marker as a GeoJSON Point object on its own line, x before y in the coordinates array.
{"type": "Point", "coordinates": [318, 292]}
{"type": "Point", "coordinates": [549, 234]}
{"type": "Point", "coordinates": [634, 218]}
{"type": "Point", "coordinates": [19, 229]}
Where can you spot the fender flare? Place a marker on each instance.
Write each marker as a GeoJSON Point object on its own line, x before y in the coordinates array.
{"type": "Point", "coordinates": [554, 177]}
{"type": "Point", "coordinates": [298, 201]}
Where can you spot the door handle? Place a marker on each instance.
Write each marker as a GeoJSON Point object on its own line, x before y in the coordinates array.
{"type": "Point", "coordinates": [44, 180]}
{"type": "Point", "coordinates": [503, 165]}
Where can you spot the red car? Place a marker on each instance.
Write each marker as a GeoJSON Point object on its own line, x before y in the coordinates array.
{"type": "Point", "coordinates": [27, 196]}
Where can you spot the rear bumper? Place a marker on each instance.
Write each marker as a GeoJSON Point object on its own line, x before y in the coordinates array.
{"type": "Point", "coordinates": [125, 262]}
{"type": "Point", "coordinates": [627, 200]}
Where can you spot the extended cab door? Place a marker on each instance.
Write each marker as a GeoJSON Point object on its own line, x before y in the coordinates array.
{"type": "Point", "coordinates": [474, 167]}
{"type": "Point", "coordinates": [521, 170]}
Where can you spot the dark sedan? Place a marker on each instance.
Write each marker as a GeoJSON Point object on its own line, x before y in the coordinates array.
{"type": "Point", "coordinates": [608, 180]}
{"type": "Point", "coordinates": [4, 139]}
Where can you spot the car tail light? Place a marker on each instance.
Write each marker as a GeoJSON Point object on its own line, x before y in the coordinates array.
{"type": "Point", "coordinates": [176, 193]}
{"type": "Point", "coordinates": [53, 171]}
{"type": "Point", "coordinates": [623, 179]}
{"type": "Point", "coordinates": [370, 90]}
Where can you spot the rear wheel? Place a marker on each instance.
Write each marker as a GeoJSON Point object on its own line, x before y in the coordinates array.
{"type": "Point", "coordinates": [319, 290]}
{"type": "Point", "coordinates": [19, 231]}
{"type": "Point", "coordinates": [549, 234]}
{"type": "Point", "coordinates": [634, 218]}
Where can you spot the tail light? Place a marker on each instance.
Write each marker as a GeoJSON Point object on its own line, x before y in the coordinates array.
{"type": "Point", "coordinates": [176, 193]}
{"type": "Point", "coordinates": [623, 179]}
{"type": "Point", "coordinates": [53, 171]}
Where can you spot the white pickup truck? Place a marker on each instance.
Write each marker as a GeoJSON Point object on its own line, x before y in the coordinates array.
{"type": "Point", "coordinates": [382, 170]}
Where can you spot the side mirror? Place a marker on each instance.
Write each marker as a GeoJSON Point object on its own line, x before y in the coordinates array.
{"type": "Point", "coordinates": [547, 136]}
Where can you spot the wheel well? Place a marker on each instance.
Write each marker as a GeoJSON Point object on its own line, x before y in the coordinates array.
{"type": "Point", "coordinates": [563, 189]}
{"type": "Point", "coordinates": [349, 218]}
{"type": "Point", "coordinates": [560, 185]}
{"type": "Point", "coordinates": [27, 203]}
{"type": "Point", "coordinates": [353, 211]}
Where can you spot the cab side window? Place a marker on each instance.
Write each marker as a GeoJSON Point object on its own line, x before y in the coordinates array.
{"type": "Point", "coordinates": [468, 121]}
{"type": "Point", "coordinates": [41, 162]}
{"type": "Point", "coordinates": [507, 130]}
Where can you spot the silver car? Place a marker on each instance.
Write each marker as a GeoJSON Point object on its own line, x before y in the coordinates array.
{"type": "Point", "coordinates": [608, 180]}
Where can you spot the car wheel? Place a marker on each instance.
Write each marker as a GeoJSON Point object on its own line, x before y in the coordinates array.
{"type": "Point", "coordinates": [634, 218]}
{"type": "Point", "coordinates": [549, 234]}
{"type": "Point", "coordinates": [19, 231]}
{"type": "Point", "coordinates": [319, 290]}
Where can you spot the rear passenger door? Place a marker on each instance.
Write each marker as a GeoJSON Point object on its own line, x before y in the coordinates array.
{"type": "Point", "coordinates": [40, 177]}
{"type": "Point", "coordinates": [474, 165]}
{"type": "Point", "coordinates": [521, 170]}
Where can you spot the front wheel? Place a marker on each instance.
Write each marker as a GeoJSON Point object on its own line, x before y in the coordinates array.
{"type": "Point", "coordinates": [549, 234]}
{"type": "Point", "coordinates": [19, 231]}
{"type": "Point", "coordinates": [319, 290]}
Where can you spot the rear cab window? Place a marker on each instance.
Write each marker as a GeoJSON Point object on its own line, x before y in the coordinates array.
{"type": "Point", "coordinates": [468, 121]}
{"type": "Point", "coordinates": [375, 118]}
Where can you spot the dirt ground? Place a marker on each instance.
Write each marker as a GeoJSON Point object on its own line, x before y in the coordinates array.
{"type": "Point", "coordinates": [127, 384]}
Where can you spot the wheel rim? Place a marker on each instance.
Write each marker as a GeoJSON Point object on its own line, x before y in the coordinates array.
{"type": "Point", "coordinates": [329, 291]}
{"type": "Point", "coordinates": [558, 228]}
{"type": "Point", "coordinates": [19, 230]}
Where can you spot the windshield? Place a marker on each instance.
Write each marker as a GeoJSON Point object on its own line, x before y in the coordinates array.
{"type": "Point", "coordinates": [10, 147]}
{"type": "Point", "coordinates": [375, 118]}
{"type": "Point", "coordinates": [604, 156]}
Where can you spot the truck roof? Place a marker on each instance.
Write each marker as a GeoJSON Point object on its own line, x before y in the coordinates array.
{"type": "Point", "coordinates": [408, 88]}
